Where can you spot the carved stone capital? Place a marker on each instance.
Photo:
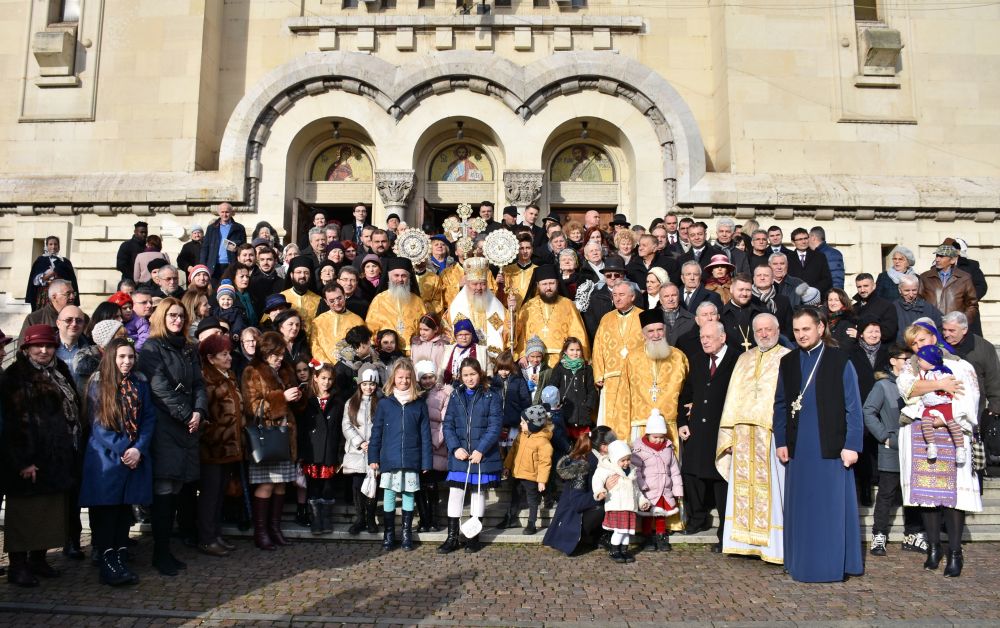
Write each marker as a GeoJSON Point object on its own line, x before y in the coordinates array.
{"type": "Point", "coordinates": [394, 186]}
{"type": "Point", "coordinates": [523, 187]}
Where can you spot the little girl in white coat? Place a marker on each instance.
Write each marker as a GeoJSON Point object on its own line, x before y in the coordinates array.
{"type": "Point", "coordinates": [621, 501]}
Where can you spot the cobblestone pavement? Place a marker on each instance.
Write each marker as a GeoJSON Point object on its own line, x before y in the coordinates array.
{"type": "Point", "coordinates": [342, 583]}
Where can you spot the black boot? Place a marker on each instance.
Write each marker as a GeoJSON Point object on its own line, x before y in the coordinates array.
{"type": "Point", "coordinates": [18, 572]}
{"type": "Point", "coordinates": [933, 556]}
{"type": "Point", "coordinates": [663, 543]}
{"type": "Point", "coordinates": [371, 506]}
{"type": "Point", "coordinates": [326, 508]}
{"type": "Point", "coordinates": [451, 543]}
{"type": "Point", "coordinates": [389, 531]}
{"type": "Point", "coordinates": [110, 574]}
{"type": "Point", "coordinates": [162, 517]}
{"type": "Point", "coordinates": [420, 500]}
{"type": "Point", "coordinates": [473, 545]}
{"type": "Point", "coordinates": [303, 515]}
{"type": "Point", "coordinates": [627, 555]}
{"type": "Point", "coordinates": [616, 554]}
{"type": "Point", "coordinates": [72, 550]}
{"type": "Point", "coordinates": [433, 499]}
{"type": "Point", "coordinates": [121, 554]}
{"type": "Point", "coordinates": [359, 514]}
{"type": "Point", "coordinates": [955, 562]}
{"type": "Point", "coordinates": [39, 566]}
{"type": "Point", "coordinates": [316, 516]}
{"type": "Point", "coordinates": [407, 543]}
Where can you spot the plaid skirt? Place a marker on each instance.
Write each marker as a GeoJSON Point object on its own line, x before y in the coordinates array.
{"type": "Point", "coordinates": [622, 520]}
{"type": "Point", "coordinates": [273, 472]}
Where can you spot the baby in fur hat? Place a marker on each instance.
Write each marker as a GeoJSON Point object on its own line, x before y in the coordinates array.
{"type": "Point", "coordinates": [620, 502]}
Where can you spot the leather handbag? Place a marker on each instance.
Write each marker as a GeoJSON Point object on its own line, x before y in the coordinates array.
{"type": "Point", "coordinates": [266, 443]}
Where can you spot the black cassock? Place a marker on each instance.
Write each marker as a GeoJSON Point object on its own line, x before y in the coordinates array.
{"type": "Point", "coordinates": [63, 268]}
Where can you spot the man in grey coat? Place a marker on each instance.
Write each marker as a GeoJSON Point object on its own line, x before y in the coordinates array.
{"type": "Point", "coordinates": [677, 320]}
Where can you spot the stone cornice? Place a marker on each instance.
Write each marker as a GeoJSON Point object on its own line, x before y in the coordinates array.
{"type": "Point", "coordinates": [312, 24]}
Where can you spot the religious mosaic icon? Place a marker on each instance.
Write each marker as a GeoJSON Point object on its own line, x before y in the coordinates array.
{"type": "Point", "coordinates": [342, 163]}
{"type": "Point", "coordinates": [461, 162]}
{"type": "Point", "coordinates": [582, 163]}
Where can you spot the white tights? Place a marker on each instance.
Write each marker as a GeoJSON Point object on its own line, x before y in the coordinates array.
{"type": "Point", "coordinates": [619, 538]}
{"type": "Point", "coordinates": [456, 502]}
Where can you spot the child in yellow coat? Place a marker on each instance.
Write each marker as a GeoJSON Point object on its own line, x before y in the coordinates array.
{"type": "Point", "coordinates": [530, 461]}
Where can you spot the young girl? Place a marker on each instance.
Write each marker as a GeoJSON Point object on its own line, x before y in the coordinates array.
{"type": "Point", "coordinates": [537, 372]}
{"type": "Point", "coordinates": [429, 344]}
{"type": "Point", "coordinates": [575, 380]}
{"type": "Point", "coordinates": [937, 405]}
{"type": "Point", "coordinates": [437, 396]}
{"type": "Point", "coordinates": [400, 448]}
{"type": "Point", "coordinates": [659, 478]}
{"type": "Point", "coordinates": [229, 310]}
{"type": "Point", "coordinates": [320, 450]}
{"type": "Point", "coordinates": [620, 502]}
{"type": "Point", "coordinates": [387, 346]}
{"type": "Point", "coordinates": [472, 432]}
{"type": "Point", "coordinates": [357, 428]}
{"type": "Point", "coordinates": [304, 376]}
{"type": "Point", "coordinates": [720, 276]}
{"type": "Point", "coordinates": [514, 399]}
{"type": "Point", "coordinates": [530, 460]}
{"type": "Point", "coordinates": [117, 470]}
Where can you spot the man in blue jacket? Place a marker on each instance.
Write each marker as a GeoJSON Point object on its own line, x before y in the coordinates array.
{"type": "Point", "coordinates": [834, 258]}
{"type": "Point", "coordinates": [221, 239]}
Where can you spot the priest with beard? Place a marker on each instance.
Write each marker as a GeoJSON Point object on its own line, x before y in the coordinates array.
{"type": "Point", "coordinates": [745, 452]}
{"type": "Point", "coordinates": [549, 315]}
{"type": "Point", "coordinates": [477, 304]}
{"type": "Point", "coordinates": [300, 294]}
{"type": "Point", "coordinates": [330, 327]}
{"type": "Point", "coordinates": [618, 338]}
{"type": "Point", "coordinates": [399, 307]}
{"type": "Point", "coordinates": [453, 278]}
{"type": "Point", "coordinates": [737, 315]}
{"type": "Point", "coordinates": [653, 378]}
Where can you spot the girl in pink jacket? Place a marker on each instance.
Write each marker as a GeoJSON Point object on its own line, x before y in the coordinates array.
{"type": "Point", "coordinates": [436, 395]}
{"type": "Point", "coordinates": [658, 475]}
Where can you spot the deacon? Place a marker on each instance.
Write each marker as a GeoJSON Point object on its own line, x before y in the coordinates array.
{"type": "Point", "coordinates": [745, 453]}
{"type": "Point", "coordinates": [515, 278]}
{"type": "Point", "coordinates": [550, 316]}
{"type": "Point", "coordinates": [818, 429]}
{"type": "Point", "coordinates": [477, 304]}
{"type": "Point", "coordinates": [330, 327]}
{"type": "Point", "coordinates": [398, 308]}
{"type": "Point", "coordinates": [653, 377]}
{"type": "Point", "coordinates": [299, 295]}
{"type": "Point", "coordinates": [618, 337]}
{"type": "Point", "coordinates": [705, 393]}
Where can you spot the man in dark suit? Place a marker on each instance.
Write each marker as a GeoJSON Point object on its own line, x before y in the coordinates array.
{"type": "Point", "coordinates": [129, 249]}
{"type": "Point", "coordinates": [486, 209]}
{"type": "Point", "coordinates": [777, 303]}
{"type": "Point", "coordinates": [677, 320]}
{"type": "Point", "coordinates": [870, 306]}
{"type": "Point", "coordinates": [705, 394]}
{"type": "Point", "coordinates": [692, 292]}
{"type": "Point", "coordinates": [808, 265]}
{"type": "Point", "coordinates": [783, 282]}
{"type": "Point", "coordinates": [352, 231]}
{"type": "Point", "coordinates": [725, 228]}
{"type": "Point", "coordinates": [774, 237]}
{"type": "Point", "coordinates": [759, 251]}
{"type": "Point", "coordinates": [701, 251]}
{"type": "Point", "coordinates": [647, 257]}
{"type": "Point", "coordinates": [537, 233]}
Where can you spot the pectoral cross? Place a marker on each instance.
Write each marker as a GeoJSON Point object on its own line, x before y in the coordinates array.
{"type": "Point", "coordinates": [545, 330]}
{"type": "Point", "coordinates": [797, 405]}
{"type": "Point", "coordinates": [400, 327]}
{"type": "Point", "coordinates": [624, 353]}
{"type": "Point", "coordinates": [654, 391]}
{"type": "Point", "coordinates": [746, 344]}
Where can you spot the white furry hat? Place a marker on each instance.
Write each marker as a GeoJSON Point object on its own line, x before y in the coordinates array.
{"type": "Point", "coordinates": [618, 450]}
{"type": "Point", "coordinates": [105, 331]}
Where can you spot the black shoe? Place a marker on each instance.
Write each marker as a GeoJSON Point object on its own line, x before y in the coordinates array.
{"type": "Point", "coordinates": [73, 552]}
{"type": "Point", "coordinates": [451, 543]}
{"type": "Point", "coordinates": [40, 567]}
{"type": "Point", "coordinates": [180, 565]}
{"type": "Point", "coordinates": [407, 536]}
{"type": "Point", "coordinates": [163, 561]}
{"type": "Point", "coordinates": [110, 574]}
{"type": "Point", "coordinates": [663, 543]}
{"type": "Point", "coordinates": [616, 554]}
{"type": "Point", "coordinates": [529, 530]}
{"type": "Point", "coordinates": [627, 555]}
{"type": "Point", "coordinates": [698, 528]}
{"type": "Point", "coordinates": [388, 531]}
{"type": "Point", "coordinates": [877, 547]}
{"type": "Point", "coordinates": [933, 557]}
{"type": "Point", "coordinates": [502, 525]}
{"type": "Point", "coordinates": [473, 545]}
{"type": "Point", "coordinates": [18, 572]}
{"type": "Point", "coordinates": [302, 515]}
{"type": "Point", "coordinates": [915, 543]}
{"type": "Point", "coordinates": [122, 557]}
{"type": "Point", "coordinates": [955, 563]}
{"type": "Point", "coordinates": [717, 548]}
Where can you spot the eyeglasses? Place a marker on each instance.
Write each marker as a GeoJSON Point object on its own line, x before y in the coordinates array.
{"type": "Point", "coordinates": [613, 275]}
{"type": "Point", "coordinates": [800, 238]}
{"type": "Point", "coordinates": [175, 315]}
{"type": "Point", "coordinates": [71, 321]}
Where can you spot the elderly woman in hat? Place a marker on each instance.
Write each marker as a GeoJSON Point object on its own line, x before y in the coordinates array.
{"type": "Point", "coordinates": [719, 276]}
{"type": "Point", "coordinates": [898, 264]}
{"type": "Point", "coordinates": [41, 446]}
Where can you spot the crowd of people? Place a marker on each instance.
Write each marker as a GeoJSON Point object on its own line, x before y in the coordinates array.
{"type": "Point", "coordinates": [631, 378]}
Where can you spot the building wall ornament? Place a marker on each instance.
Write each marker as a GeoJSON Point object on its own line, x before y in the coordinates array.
{"type": "Point", "coordinates": [523, 187]}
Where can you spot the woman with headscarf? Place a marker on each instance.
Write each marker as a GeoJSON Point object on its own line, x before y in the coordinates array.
{"type": "Point", "coordinates": [899, 263]}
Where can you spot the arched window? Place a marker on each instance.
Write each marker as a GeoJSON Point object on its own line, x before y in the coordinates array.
{"type": "Point", "coordinates": [342, 162]}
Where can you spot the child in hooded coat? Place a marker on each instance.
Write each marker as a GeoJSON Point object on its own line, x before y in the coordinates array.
{"type": "Point", "coordinates": [620, 502]}
{"type": "Point", "coordinates": [658, 475]}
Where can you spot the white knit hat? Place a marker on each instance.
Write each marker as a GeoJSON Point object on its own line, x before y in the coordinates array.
{"type": "Point", "coordinates": [656, 424]}
{"type": "Point", "coordinates": [424, 367]}
{"type": "Point", "coordinates": [618, 450]}
{"type": "Point", "coordinates": [104, 331]}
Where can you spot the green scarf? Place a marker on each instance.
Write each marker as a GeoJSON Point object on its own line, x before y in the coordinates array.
{"type": "Point", "coordinates": [572, 365]}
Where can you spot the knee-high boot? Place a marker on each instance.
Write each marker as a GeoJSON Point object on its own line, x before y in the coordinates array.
{"type": "Point", "coordinates": [261, 507]}
{"type": "Point", "coordinates": [274, 521]}
{"type": "Point", "coordinates": [359, 513]}
{"type": "Point", "coordinates": [162, 516]}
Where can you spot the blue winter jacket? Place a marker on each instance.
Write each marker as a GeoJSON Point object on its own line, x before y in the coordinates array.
{"type": "Point", "coordinates": [514, 397]}
{"type": "Point", "coordinates": [835, 260]}
{"type": "Point", "coordinates": [106, 480]}
{"type": "Point", "coordinates": [401, 436]}
{"type": "Point", "coordinates": [474, 424]}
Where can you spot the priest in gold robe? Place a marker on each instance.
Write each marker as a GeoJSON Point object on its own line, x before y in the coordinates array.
{"type": "Point", "coordinates": [550, 316]}
{"type": "Point", "coordinates": [618, 337]}
{"type": "Point", "coordinates": [746, 455]}
{"type": "Point", "coordinates": [300, 295]}
{"type": "Point", "coordinates": [654, 376]}
{"type": "Point", "coordinates": [477, 304]}
{"type": "Point", "coordinates": [399, 307]}
{"type": "Point", "coordinates": [515, 278]}
{"type": "Point", "coordinates": [453, 280]}
{"type": "Point", "coordinates": [330, 327]}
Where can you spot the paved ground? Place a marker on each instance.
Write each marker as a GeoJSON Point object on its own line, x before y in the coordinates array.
{"type": "Point", "coordinates": [340, 583]}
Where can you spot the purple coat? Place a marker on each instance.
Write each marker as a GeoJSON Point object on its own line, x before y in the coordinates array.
{"type": "Point", "coordinates": [657, 472]}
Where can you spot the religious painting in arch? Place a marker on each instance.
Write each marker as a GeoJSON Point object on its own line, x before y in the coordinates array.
{"type": "Point", "coordinates": [461, 162]}
{"type": "Point", "coordinates": [581, 162]}
{"type": "Point", "coordinates": [342, 162]}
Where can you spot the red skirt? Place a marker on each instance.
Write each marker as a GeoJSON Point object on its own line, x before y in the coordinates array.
{"type": "Point", "coordinates": [318, 471]}
{"type": "Point", "coordinates": [620, 520]}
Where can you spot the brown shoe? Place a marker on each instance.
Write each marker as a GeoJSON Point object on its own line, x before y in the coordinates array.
{"type": "Point", "coordinates": [213, 549]}
{"type": "Point", "coordinates": [229, 547]}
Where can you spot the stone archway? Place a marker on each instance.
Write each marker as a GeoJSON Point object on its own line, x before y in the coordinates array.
{"type": "Point", "coordinates": [398, 90]}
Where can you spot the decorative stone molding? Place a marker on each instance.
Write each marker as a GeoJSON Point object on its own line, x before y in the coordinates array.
{"type": "Point", "coordinates": [522, 187]}
{"type": "Point", "coordinates": [395, 187]}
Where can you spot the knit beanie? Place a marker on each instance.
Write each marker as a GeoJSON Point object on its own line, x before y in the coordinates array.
{"type": "Point", "coordinates": [104, 331]}
{"type": "Point", "coordinates": [226, 287]}
{"type": "Point", "coordinates": [534, 345]}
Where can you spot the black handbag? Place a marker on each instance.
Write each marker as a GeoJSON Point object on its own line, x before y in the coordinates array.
{"type": "Point", "coordinates": [267, 444]}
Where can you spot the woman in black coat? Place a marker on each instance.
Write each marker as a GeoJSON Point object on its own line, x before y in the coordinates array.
{"type": "Point", "coordinates": [41, 447]}
{"type": "Point", "coordinates": [173, 368]}
{"type": "Point", "coordinates": [869, 356]}
{"type": "Point", "coordinates": [321, 448]}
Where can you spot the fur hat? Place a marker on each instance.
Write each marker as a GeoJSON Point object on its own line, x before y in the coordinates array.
{"type": "Point", "coordinates": [424, 367]}
{"type": "Point", "coordinates": [574, 471]}
{"type": "Point", "coordinates": [618, 450]}
{"type": "Point", "coordinates": [656, 424]}
{"type": "Point", "coordinates": [534, 345]}
{"type": "Point", "coordinates": [104, 331]}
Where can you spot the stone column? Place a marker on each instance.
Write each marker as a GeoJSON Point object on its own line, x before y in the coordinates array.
{"type": "Point", "coordinates": [522, 188]}
{"type": "Point", "coordinates": [394, 187]}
